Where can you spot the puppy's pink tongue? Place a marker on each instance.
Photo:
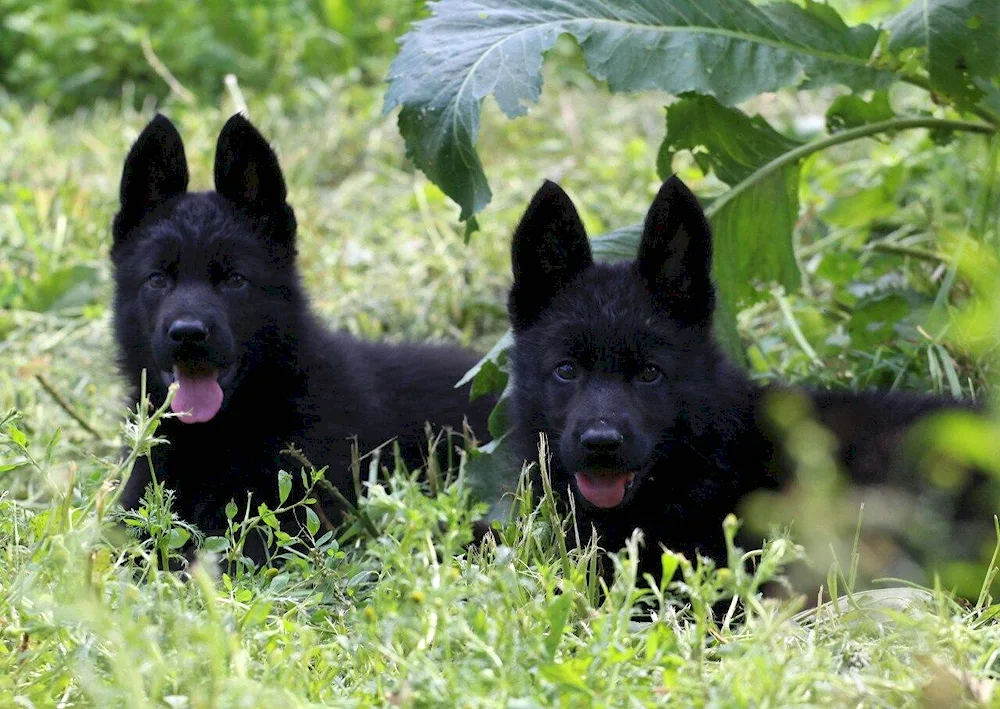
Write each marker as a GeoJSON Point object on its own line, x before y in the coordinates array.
{"type": "Point", "coordinates": [198, 394]}
{"type": "Point", "coordinates": [602, 490]}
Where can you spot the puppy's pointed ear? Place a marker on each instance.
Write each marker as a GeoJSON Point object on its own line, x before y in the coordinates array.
{"type": "Point", "coordinates": [248, 174]}
{"type": "Point", "coordinates": [675, 253]}
{"type": "Point", "coordinates": [246, 169]}
{"type": "Point", "coordinates": [549, 249]}
{"type": "Point", "coordinates": [155, 171]}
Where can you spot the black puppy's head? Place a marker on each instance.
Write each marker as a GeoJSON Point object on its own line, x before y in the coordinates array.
{"type": "Point", "coordinates": [608, 358]}
{"type": "Point", "coordinates": [204, 281]}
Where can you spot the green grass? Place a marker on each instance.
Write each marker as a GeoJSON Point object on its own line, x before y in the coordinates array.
{"type": "Point", "coordinates": [401, 617]}
{"type": "Point", "coordinates": [50, 52]}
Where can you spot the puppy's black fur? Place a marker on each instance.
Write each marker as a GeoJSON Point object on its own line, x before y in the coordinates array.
{"type": "Point", "coordinates": [207, 293]}
{"type": "Point", "coordinates": [649, 424]}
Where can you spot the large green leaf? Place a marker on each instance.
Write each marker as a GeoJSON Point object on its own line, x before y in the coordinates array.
{"type": "Point", "coordinates": [959, 40]}
{"type": "Point", "coordinates": [753, 238]}
{"type": "Point", "coordinates": [722, 140]}
{"type": "Point", "coordinates": [753, 229]}
{"type": "Point", "coordinates": [730, 49]}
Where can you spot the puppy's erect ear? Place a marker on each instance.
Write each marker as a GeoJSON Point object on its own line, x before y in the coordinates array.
{"type": "Point", "coordinates": [549, 249]}
{"type": "Point", "coordinates": [247, 173]}
{"type": "Point", "coordinates": [675, 253]}
{"type": "Point", "coordinates": [155, 171]}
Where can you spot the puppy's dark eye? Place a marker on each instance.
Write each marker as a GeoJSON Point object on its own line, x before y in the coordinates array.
{"type": "Point", "coordinates": [157, 281]}
{"type": "Point", "coordinates": [650, 374]}
{"type": "Point", "coordinates": [566, 371]}
{"type": "Point", "coordinates": [234, 281]}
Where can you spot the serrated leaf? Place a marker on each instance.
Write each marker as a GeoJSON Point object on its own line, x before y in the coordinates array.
{"type": "Point", "coordinates": [284, 486]}
{"type": "Point", "coordinates": [850, 111]}
{"type": "Point", "coordinates": [722, 140]}
{"type": "Point", "coordinates": [731, 49]}
{"type": "Point", "coordinates": [231, 510]}
{"type": "Point", "coordinates": [959, 42]}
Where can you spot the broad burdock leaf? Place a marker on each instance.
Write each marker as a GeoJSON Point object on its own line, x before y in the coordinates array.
{"type": "Point", "coordinates": [722, 140]}
{"type": "Point", "coordinates": [729, 49]}
{"type": "Point", "coordinates": [960, 45]}
{"type": "Point", "coordinates": [752, 236]}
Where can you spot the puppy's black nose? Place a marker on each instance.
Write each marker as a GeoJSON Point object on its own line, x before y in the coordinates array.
{"type": "Point", "coordinates": [182, 330]}
{"type": "Point", "coordinates": [601, 436]}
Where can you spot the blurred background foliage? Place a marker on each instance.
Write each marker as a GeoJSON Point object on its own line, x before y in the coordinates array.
{"type": "Point", "coordinates": [69, 53]}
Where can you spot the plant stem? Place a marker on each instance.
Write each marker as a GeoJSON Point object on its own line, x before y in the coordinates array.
{"type": "Point", "coordinates": [65, 405]}
{"type": "Point", "coordinates": [804, 151]}
{"type": "Point", "coordinates": [793, 325]}
{"type": "Point", "coordinates": [984, 113]}
{"type": "Point", "coordinates": [912, 251]}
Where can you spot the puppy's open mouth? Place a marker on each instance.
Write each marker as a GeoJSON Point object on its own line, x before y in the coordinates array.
{"type": "Point", "coordinates": [604, 488]}
{"type": "Point", "coordinates": [199, 391]}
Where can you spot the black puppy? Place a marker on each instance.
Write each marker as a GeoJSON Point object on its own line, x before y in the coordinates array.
{"type": "Point", "coordinates": [207, 295]}
{"type": "Point", "coordinates": [649, 424]}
